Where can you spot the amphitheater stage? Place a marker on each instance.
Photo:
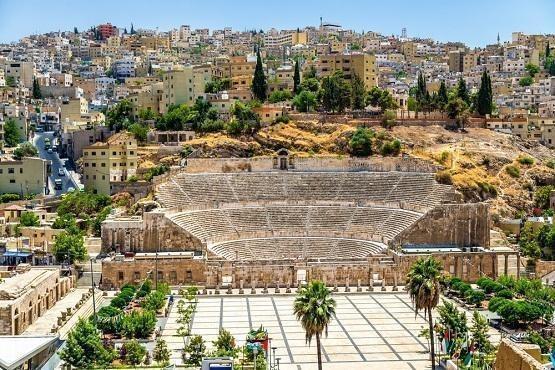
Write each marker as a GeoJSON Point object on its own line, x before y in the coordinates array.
{"type": "Point", "coordinates": [370, 331]}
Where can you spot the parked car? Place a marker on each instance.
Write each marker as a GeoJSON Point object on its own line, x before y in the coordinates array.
{"type": "Point", "coordinates": [50, 151]}
{"type": "Point", "coordinates": [70, 189]}
{"type": "Point", "coordinates": [61, 172]}
{"type": "Point", "coordinates": [58, 184]}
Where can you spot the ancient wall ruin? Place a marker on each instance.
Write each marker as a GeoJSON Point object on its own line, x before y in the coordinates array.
{"type": "Point", "coordinates": [149, 233]}
{"type": "Point", "coordinates": [518, 356]}
{"type": "Point", "coordinates": [321, 163]}
{"type": "Point", "coordinates": [450, 224]}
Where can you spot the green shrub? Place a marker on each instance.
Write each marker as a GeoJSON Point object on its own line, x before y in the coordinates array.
{"type": "Point", "coordinates": [444, 177]}
{"type": "Point", "coordinates": [391, 148]}
{"type": "Point", "coordinates": [138, 324]}
{"type": "Point", "coordinates": [134, 352]}
{"type": "Point", "coordinates": [360, 144]}
{"type": "Point", "coordinates": [526, 160]}
{"type": "Point", "coordinates": [154, 301]}
{"type": "Point", "coordinates": [475, 296]}
{"type": "Point", "coordinates": [210, 125]}
{"type": "Point", "coordinates": [504, 293]}
{"type": "Point", "coordinates": [513, 171]}
{"type": "Point", "coordinates": [496, 302]}
{"type": "Point", "coordinates": [118, 302]}
{"type": "Point", "coordinates": [9, 197]}
{"type": "Point", "coordinates": [156, 171]}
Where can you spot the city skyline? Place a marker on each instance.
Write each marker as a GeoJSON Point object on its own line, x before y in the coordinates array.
{"type": "Point", "coordinates": [476, 24]}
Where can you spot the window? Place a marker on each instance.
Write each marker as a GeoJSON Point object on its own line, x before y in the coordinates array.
{"type": "Point", "coordinates": [189, 275]}
{"type": "Point", "coordinates": [120, 275]}
{"type": "Point", "coordinates": [21, 170]}
{"type": "Point", "coordinates": [113, 153]}
{"type": "Point", "coordinates": [11, 170]}
{"type": "Point", "coordinates": [93, 153]}
{"type": "Point", "coordinates": [137, 275]}
{"type": "Point", "coordinates": [102, 153]}
{"type": "Point", "coordinates": [94, 164]}
{"type": "Point", "coordinates": [114, 164]}
{"type": "Point", "coordinates": [12, 181]}
{"type": "Point", "coordinates": [103, 164]}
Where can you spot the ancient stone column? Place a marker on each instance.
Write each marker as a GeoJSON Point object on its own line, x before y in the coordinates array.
{"type": "Point", "coordinates": [506, 264]}
{"type": "Point", "coordinates": [347, 287]}
{"type": "Point", "coordinates": [277, 288]}
{"type": "Point", "coordinates": [217, 290]}
{"type": "Point", "coordinates": [265, 290]}
{"type": "Point", "coordinates": [253, 287]}
{"type": "Point", "coordinates": [383, 282]}
{"type": "Point", "coordinates": [359, 288]}
{"type": "Point", "coordinates": [395, 287]}
{"type": "Point", "coordinates": [241, 286]}
{"type": "Point", "coordinates": [370, 282]}
{"type": "Point", "coordinates": [288, 289]}
{"type": "Point", "coordinates": [493, 269]}
{"type": "Point", "coordinates": [518, 265]}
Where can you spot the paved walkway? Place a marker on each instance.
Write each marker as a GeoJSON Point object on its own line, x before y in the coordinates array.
{"type": "Point", "coordinates": [371, 331]}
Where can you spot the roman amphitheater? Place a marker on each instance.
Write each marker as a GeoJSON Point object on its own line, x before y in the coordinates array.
{"type": "Point", "coordinates": [278, 221]}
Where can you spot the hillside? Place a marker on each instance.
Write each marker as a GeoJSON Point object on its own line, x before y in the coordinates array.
{"type": "Point", "coordinates": [475, 162]}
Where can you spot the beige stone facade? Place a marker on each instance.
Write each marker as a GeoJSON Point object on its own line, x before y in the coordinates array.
{"type": "Point", "coordinates": [27, 295]}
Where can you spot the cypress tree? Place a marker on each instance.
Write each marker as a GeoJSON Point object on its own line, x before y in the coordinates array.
{"type": "Point", "coordinates": [442, 97]}
{"type": "Point", "coordinates": [421, 92]}
{"type": "Point", "coordinates": [37, 94]}
{"type": "Point", "coordinates": [358, 93]}
{"type": "Point", "coordinates": [462, 91]}
{"type": "Point", "coordinates": [484, 101]}
{"type": "Point", "coordinates": [296, 78]}
{"type": "Point", "coordinates": [132, 29]}
{"type": "Point", "coordinates": [259, 85]}
{"type": "Point", "coordinates": [547, 50]}
{"type": "Point", "coordinates": [75, 30]}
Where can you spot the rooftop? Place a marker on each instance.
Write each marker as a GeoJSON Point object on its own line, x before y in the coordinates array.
{"type": "Point", "coordinates": [15, 286]}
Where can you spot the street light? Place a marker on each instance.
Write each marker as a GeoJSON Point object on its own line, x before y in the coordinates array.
{"type": "Point", "coordinates": [254, 353]}
{"type": "Point", "coordinates": [92, 286]}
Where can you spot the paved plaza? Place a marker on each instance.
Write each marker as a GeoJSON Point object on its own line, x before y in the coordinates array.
{"type": "Point", "coordinates": [371, 331]}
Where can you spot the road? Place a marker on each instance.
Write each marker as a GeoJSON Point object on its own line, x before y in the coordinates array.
{"type": "Point", "coordinates": [69, 179]}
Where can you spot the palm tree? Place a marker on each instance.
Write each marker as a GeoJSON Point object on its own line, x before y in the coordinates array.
{"type": "Point", "coordinates": [314, 308]}
{"type": "Point", "coordinates": [424, 288]}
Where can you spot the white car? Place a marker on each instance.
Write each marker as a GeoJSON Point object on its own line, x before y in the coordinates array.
{"type": "Point", "coordinates": [61, 172]}
{"type": "Point", "coordinates": [49, 150]}
{"type": "Point", "coordinates": [70, 189]}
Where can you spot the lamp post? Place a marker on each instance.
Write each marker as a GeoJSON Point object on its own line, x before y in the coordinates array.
{"type": "Point", "coordinates": [92, 286]}
{"type": "Point", "coordinates": [254, 354]}
{"type": "Point", "coordinates": [274, 354]}
{"type": "Point", "coordinates": [278, 360]}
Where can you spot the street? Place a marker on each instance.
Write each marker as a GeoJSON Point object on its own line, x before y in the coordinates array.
{"type": "Point", "coordinates": [70, 178]}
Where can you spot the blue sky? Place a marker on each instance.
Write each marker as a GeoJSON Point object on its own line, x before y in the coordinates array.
{"type": "Point", "coordinates": [475, 22]}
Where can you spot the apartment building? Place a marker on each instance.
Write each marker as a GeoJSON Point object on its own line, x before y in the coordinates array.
{"type": "Point", "coordinates": [184, 86]}
{"type": "Point", "coordinates": [149, 98]}
{"type": "Point", "coordinates": [112, 161]}
{"type": "Point", "coordinates": [72, 110]}
{"type": "Point", "coordinates": [22, 72]}
{"type": "Point", "coordinates": [106, 31]}
{"type": "Point", "coordinates": [276, 39]}
{"type": "Point", "coordinates": [24, 176]}
{"type": "Point", "coordinates": [362, 65]}
{"type": "Point", "coordinates": [462, 61]}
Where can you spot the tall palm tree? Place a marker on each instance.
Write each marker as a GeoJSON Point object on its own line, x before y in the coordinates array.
{"type": "Point", "coordinates": [314, 308]}
{"type": "Point", "coordinates": [423, 285]}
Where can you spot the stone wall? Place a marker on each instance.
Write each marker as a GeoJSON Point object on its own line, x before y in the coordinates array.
{"type": "Point", "coordinates": [513, 356]}
{"type": "Point", "coordinates": [544, 267]}
{"type": "Point", "coordinates": [138, 190]}
{"type": "Point", "coordinates": [324, 163]}
{"type": "Point", "coordinates": [154, 231]}
{"type": "Point", "coordinates": [21, 312]}
{"type": "Point", "coordinates": [181, 270]}
{"type": "Point", "coordinates": [450, 224]}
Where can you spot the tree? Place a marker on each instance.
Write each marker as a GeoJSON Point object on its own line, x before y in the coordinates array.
{"type": "Point", "coordinates": [532, 69]}
{"type": "Point", "coordinates": [25, 150]}
{"type": "Point", "coordinates": [360, 144]}
{"type": "Point", "coordinates": [37, 94]}
{"type": "Point", "coordinates": [69, 247]}
{"type": "Point", "coordinates": [358, 93]}
{"type": "Point", "coordinates": [479, 333]}
{"type": "Point", "coordinates": [259, 84]}
{"type": "Point", "coordinates": [225, 344]}
{"type": "Point", "coordinates": [161, 353]}
{"type": "Point", "coordinates": [424, 290]}
{"type": "Point", "coordinates": [84, 349]}
{"type": "Point", "coordinates": [83, 203]}
{"type": "Point", "coordinates": [10, 81]}
{"type": "Point", "coordinates": [457, 109]}
{"type": "Point", "coordinates": [484, 100]}
{"type": "Point", "coordinates": [421, 92]}
{"type": "Point", "coordinates": [442, 96]}
{"type": "Point", "coordinates": [335, 93]}
{"type": "Point", "coordinates": [120, 115]}
{"type": "Point", "coordinates": [139, 132]}
{"type": "Point", "coordinates": [195, 349]}
{"type": "Point", "coordinates": [526, 81]}
{"type": "Point", "coordinates": [304, 101]}
{"type": "Point", "coordinates": [310, 84]}
{"type": "Point", "coordinates": [542, 194]}
{"type": "Point", "coordinates": [29, 219]}
{"type": "Point", "coordinates": [138, 324]}
{"type": "Point", "coordinates": [296, 78]}
{"type": "Point", "coordinates": [279, 96]}
{"type": "Point", "coordinates": [462, 91]}
{"type": "Point", "coordinates": [381, 98]}
{"type": "Point", "coordinates": [66, 221]}
{"type": "Point", "coordinates": [134, 352]}
{"type": "Point", "coordinates": [11, 133]}
{"type": "Point", "coordinates": [314, 308]}
{"type": "Point", "coordinates": [132, 31]}
{"type": "Point", "coordinates": [75, 30]}
{"type": "Point", "coordinates": [547, 50]}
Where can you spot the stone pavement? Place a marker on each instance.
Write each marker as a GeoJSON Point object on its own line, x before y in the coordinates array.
{"type": "Point", "coordinates": [371, 331]}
